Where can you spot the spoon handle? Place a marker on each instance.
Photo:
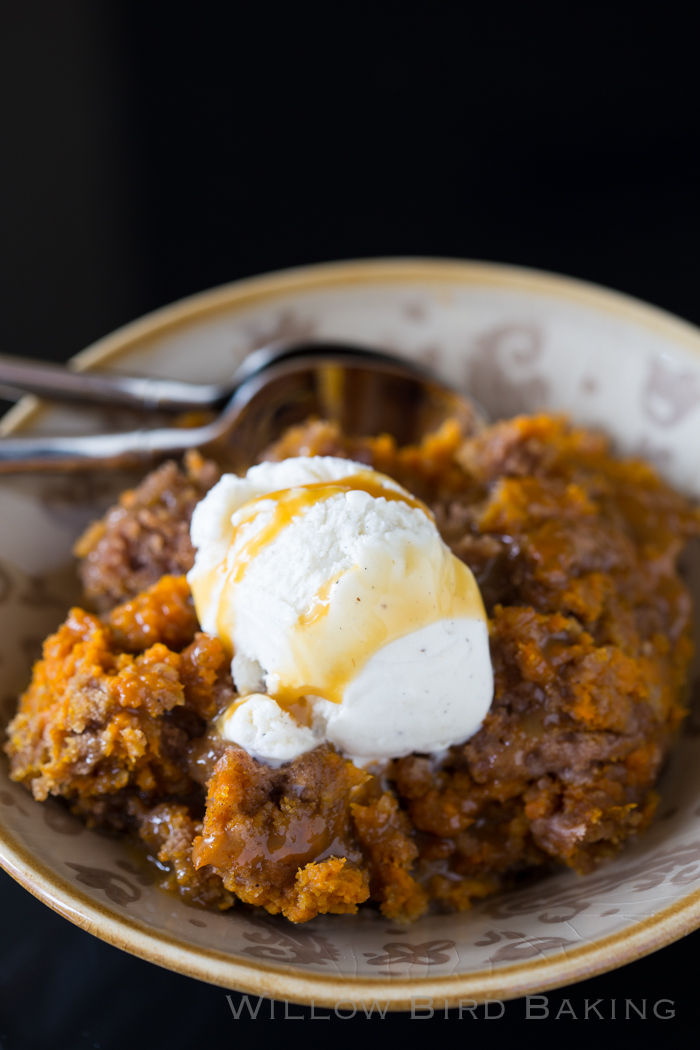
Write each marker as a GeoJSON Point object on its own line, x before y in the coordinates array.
{"type": "Point", "coordinates": [97, 451]}
{"type": "Point", "coordinates": [21, 376]}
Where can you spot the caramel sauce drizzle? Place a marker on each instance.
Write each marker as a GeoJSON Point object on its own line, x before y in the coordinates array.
{"type": "Point", "coordinates": [290, 503]}
{"type": "Point", "coordinates": [372, 604]}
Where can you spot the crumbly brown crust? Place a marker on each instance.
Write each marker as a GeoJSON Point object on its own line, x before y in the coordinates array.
{"type": "Point", "coordinates": [575, 552]}
{"type": "Point", "coordinates": [147, 535]}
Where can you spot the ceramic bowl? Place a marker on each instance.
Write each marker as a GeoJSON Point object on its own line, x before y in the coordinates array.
{"type": "Point", "coordinates": [520, 341]}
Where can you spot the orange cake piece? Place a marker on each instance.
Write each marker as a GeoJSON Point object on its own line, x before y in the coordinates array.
{"type": "Point", "coordinates": [169, 830]}
{"type": "Point", "coordinates": [163, 613]}
{"type": "Point", "coordinates": [327, 886]}
{"type": "Point", "coordinates": [386, 838]}
{"type": "Point", "coordinates": [316, 835]}
{"type": "Point", "coordinates": [266, 830]}
{"type": "Point", "coordinates": [96, 719]}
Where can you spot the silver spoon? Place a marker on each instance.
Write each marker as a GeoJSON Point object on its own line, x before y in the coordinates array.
{"type": "Point", "coordinates": [365, 391]}
{"type": "Point", "coordinates": [19, 376]}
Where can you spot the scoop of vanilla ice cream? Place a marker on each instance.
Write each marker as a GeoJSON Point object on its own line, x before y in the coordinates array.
{"type": "Point", "coordinates": [334, 590]}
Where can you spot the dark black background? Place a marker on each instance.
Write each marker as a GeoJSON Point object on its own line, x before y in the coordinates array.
{"type": "Point", "coordinates": [153, 149]}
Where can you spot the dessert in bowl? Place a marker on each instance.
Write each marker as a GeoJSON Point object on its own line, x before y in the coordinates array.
{"type": "Point", "coordinates": [574, 550]}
